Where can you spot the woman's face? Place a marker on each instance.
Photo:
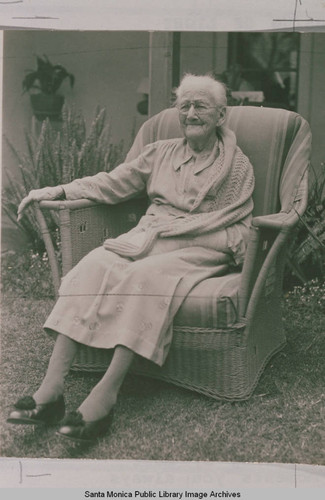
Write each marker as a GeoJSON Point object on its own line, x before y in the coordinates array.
{"type": "Point", "coordinates": [199, 114]}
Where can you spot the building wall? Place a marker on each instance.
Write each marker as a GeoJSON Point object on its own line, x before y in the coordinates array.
{"type": "Point", "coordinates": [311, 104]}
{"type": "Point", "coordinates": [108, 68]}
{"type": "Point", "coordinates": [203, 52]}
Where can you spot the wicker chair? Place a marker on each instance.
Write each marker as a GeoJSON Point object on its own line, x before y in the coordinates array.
{"type": "Point", "coordinates": [221, 345]}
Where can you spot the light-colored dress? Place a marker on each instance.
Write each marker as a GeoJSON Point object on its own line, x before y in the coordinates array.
{"type": "Point", "coordinates": [110, 298]}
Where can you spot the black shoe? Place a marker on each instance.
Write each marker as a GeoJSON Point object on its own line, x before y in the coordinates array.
{"type": "Point", "coordinates": [30, 413]}
{"type": "Point", "coordinates": [74, 427]}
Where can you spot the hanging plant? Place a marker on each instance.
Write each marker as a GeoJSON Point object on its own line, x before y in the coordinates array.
{"type": "Point", "coordinates": [43, 85]}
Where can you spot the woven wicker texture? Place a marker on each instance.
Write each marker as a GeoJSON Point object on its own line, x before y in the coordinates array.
{"type": "Point", "coordinates": [223, 363]}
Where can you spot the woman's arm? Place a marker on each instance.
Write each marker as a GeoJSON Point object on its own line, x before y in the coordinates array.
{"type": "Point", "coordinates": [47, 193]}
{"type": "Point", "coordinates": [122, 183]}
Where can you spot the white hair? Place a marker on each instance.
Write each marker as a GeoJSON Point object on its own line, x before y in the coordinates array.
{"type": "Point", "coordinates": [205, 83]}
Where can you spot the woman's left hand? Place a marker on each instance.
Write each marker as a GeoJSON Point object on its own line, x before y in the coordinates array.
{"type": "Point", "coordinates": [47, 193]}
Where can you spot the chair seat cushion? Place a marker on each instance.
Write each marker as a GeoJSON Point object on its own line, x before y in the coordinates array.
{"type": "Point", "coordinates": [213, 303]}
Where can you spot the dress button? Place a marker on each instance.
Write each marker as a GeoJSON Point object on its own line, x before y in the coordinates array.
{"type": "Point", "coordinates": [145, 325]}
{"type": "Point", "coordinates": [164, 303]}
{"type": "Point", "coordinates": [119, 307]}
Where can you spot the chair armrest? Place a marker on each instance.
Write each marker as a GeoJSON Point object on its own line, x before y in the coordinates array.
{"type": "Point", "coordinates": [281, 221]}
{"type": "Point", "coordinates": [286, 219]}
{"type": "Point", "coordinates": [86, 203]}
{"type": "Point", "coordinates": [53, 258]}
{"type": "Point", "coordinates": [262, 272]}
{"type": "Point", "coordinates": [84, 225]}
{"type": "Point", "coordinates": [63, 208]}
{"type": "Point", "coordinates": [265, 256]}
{"type": "Point", "coordinates": [67, 204]}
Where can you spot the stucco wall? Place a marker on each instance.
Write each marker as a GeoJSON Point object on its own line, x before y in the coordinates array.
{"type": "Point", "coordinates": [108, 67]}
{"type": "Point", "coordinates": [311, 95]}
{"type": "Point", "coordinates": [317, 99]}
{"type": "Point", "coordinates": [203, 52]}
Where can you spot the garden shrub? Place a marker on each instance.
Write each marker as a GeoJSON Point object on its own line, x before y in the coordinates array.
{"type": "Point", "coordinates": [306, 255]}
{"type": "Point", "coordinates": [310, 296]}
{"type": "Point", "coordinates": [26, 274]}
{"type": "Point", "coordinates": [57, 157]}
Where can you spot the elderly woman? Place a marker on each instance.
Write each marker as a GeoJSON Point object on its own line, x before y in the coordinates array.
{"type": "Point", "coordinates": [124, 295]}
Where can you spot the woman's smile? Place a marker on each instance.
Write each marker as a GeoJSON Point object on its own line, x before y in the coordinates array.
{"type": "Point", "coordinates": [199, 116]}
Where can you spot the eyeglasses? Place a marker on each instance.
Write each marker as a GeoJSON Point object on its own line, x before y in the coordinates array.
{"type": "Point", "coordinates": [199, 108]}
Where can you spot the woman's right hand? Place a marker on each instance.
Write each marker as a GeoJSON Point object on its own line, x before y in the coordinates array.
{"type": "Point", "coordinates": [47, 193]}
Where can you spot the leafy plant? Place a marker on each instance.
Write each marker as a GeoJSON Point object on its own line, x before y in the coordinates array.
{"type": "Point", "coordinates": [47, 77]}
{"type": "Point", "coordinates": [307, 252]}
{"type": "Point", "coordinates": [26, 274]}
{"type": "Point", "coordinates": [310, 296]}
{"type": "Point", "coordinates": [58, 157]}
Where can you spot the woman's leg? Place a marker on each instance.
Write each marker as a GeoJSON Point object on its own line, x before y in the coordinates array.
{"type": "Point", "coordinates": [79, 289]}
{"type": "Point", "coordinates": [47, 404]}
{"type": "Point", "coordinates": [146, 298]}
{"type": "Point", "coordinates": [59, 365]}
{"type": "Point", "coordinates": [94, 415]}
{"type": "Point", "coordinates": [103, 396]}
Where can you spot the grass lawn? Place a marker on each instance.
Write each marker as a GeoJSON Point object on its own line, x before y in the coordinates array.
{"type": "Point", "coordinates": [282, 422]}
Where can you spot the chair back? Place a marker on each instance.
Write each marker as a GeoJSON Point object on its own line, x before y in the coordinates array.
{"type": "Point", "coordinates": [276, 141]}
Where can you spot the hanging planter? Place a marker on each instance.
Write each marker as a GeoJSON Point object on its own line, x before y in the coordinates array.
{"type": "Point", "coordinates": [47, 105]}
{"type": "Point", "coordinates": [46, 81]}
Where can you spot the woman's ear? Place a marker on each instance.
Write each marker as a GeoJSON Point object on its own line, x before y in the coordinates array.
{"type": "Point", "coordinates": [222, 116]}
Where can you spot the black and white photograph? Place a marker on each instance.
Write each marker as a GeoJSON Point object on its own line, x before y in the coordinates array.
{"type": "Point", "coordinates": [163, 246]}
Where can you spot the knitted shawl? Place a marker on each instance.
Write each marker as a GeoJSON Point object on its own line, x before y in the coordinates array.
{"type": "Point", "coordinates": [232, 181]}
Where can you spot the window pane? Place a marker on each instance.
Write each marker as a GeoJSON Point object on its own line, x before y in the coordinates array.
{"type": "Point", "coordinates": [265, 62]}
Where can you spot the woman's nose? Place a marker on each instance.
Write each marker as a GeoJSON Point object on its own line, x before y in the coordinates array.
{"type": "Point", "coordinates": [191, 112]}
